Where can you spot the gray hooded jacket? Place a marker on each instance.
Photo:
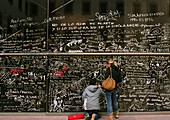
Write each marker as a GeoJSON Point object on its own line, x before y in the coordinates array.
{"type": "Point", "coordinates": [92, 94]}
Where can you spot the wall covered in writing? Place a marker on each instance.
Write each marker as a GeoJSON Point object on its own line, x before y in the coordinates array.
{"type": "Point", "coordinates": [56, 83]}
{"type": "Point", "coordinates": [45, 77]}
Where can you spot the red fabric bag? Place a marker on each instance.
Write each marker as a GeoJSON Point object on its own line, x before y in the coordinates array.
{"type": "Point", "coordinates": [76, 116]}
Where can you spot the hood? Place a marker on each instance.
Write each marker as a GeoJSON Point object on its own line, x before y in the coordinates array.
{"type": "Point", "coordinates": [92, 88]}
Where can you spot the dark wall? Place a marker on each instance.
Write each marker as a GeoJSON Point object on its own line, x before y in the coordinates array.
{"type": "Point", "coordinates": [44, 78]}
{"type": "Point", "coordinates": [56, 83]}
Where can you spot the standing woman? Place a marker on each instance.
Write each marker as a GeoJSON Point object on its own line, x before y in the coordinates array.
{"type": "Point", "coordinates": [111, 94]}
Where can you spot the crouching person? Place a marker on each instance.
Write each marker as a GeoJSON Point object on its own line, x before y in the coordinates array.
{"type": "Point", "coordinates": [91, 97]}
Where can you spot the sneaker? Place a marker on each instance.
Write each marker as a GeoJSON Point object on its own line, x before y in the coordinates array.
{"type": "Point", "coordinates": [86, 117]}
{"type": "Point", "coordinates": [93, 116]}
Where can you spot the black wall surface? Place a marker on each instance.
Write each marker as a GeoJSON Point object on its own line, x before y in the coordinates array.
{"type": "Point", "coordinates": [38, 71]}
{"type": "Point", "coordinates": [56, 83]}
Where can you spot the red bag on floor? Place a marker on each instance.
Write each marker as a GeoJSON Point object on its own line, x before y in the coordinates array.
{"type": "Point", "coordinates": [76, 116]}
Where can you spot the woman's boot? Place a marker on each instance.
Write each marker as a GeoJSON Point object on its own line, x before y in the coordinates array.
{"type": "Point", "coordinates": [110, 115]}
{"type": "Point", "coordinates": [117, 114]}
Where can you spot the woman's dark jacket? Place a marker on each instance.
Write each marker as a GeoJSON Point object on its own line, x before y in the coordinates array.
{"type": "Point", "coordinates": [115, 74]}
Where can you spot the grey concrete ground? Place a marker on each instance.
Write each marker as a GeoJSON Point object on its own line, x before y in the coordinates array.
{"type": "Point", "coordinates": [165, 115]}
{"type": "Point", "coordinates": [141, 117]}
{"type": "Point", "coordinates": [123, 117]}
{"type": "Point", "coordinates": [33, 118]}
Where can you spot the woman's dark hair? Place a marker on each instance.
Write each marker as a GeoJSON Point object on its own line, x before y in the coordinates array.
{"type": "Point", "coordinates": [92, 81]}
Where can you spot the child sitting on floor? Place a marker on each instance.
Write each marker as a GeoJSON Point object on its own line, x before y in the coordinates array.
{"type": "Point", "coordinates": [91, 97]}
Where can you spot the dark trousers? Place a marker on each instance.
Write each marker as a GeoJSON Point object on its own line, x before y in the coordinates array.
{"type": "Point", "coordinates": [90, 112]}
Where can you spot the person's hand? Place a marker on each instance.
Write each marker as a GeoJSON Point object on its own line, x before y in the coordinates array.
{"type": "Point", "coordinates": [116, 64]}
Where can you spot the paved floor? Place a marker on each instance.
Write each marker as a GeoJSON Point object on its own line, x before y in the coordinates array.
{"type": "Point", "coordinates": [33, 118]}
{"type": "Point", "coordinates": [124, 117]}
{"type": "Point", "coordinates": [141, 117]}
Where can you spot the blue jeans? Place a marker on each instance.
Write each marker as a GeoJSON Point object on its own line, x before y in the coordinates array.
{"type": "Point", "coordinates": [111, 97]}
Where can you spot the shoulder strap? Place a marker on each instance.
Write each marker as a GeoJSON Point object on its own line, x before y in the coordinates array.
{"type": "Point", "coordinates": [110, 72]}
